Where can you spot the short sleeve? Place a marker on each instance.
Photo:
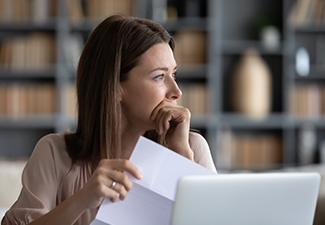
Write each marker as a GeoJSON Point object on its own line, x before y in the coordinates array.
{"type": "Point", "coordinates": [202, 153]}
{"type": "Point", "coordinates": [39, 186]}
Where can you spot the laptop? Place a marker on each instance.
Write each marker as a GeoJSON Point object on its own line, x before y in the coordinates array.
{"type": "Point", "coordinates": [249, 199]}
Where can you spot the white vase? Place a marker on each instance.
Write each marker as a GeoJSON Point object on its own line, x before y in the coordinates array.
{"type": "Point", "coordinates": [251, 85]}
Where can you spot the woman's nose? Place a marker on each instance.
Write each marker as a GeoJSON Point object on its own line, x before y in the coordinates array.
{"type": "Point", "coordinates": [174, 92]}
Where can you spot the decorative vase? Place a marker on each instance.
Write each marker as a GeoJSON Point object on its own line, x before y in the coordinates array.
{"type": "Point", "coordinates": [251, 86]}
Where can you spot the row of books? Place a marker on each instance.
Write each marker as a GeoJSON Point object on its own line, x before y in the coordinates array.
{"type": "Point", "coordinates": [97, 9]}
{"type": "Point", "coordinates": [69, 102]}
{"type": "Point", "coordinates": [42, 11]}
{"type": "Point", "coordinates": [191, 47]}
{"type": "Point", "coordinates": [308, 13]}
{"type": "Point", "coordinates": [307, 101]}
{"type": "Point", "coordinates": [251, 151]}
{"type": "Point", "coordinates": [22, 11]}
{"type": "Point", "coordinates": [195, 98]}
{"type": "Point", "coordinates": [36, 51]}
{"type": "Point", "coordinates": [27, 99]}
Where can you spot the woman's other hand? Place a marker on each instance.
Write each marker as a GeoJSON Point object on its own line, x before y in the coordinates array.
{"type": "Point", "coordinates": [100, 185]}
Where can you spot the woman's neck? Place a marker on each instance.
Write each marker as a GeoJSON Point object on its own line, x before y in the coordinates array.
{"type": "Point", "coordinates": [129, 140]}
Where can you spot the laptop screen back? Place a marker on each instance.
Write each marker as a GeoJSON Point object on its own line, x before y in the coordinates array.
{"type": "Point", "coordinates": [249, 199]}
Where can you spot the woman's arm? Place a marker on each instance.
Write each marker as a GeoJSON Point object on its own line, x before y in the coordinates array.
{"type": "Point", "coordinates": [65, 213]}
{"type": "Point", "coordinates": [94, 192]}
{"type": "Point", "coordinates": [174, 120]}
{"type": "Point", "coordinates": [42, 189]}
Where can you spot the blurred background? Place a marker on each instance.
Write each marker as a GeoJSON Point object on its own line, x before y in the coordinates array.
{"type": "Point", "coordinates": [252, 73]}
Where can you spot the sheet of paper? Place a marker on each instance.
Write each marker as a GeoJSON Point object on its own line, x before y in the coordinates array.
{"type": "Point", "coordinates": [141, 206]}
{"type": "Point", "coordinates": [162, 167]}
{"type": "Point", "coordinates": [150, 200]}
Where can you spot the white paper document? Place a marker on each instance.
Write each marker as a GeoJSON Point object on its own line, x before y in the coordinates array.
{"type": "Point", "coordinates": [150, 201]}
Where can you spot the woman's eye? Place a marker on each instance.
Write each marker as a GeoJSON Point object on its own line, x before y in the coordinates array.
{"type": "Point", "coordinates": [159, 77]}
{"type": "Point", "coordinates": [174, 75]}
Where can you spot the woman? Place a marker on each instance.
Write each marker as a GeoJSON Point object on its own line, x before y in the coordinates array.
{"type": "Point", "coordinates": [126, 88]}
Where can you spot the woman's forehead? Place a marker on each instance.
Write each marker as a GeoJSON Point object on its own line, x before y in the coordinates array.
{"type": "Point", "coordinates": [158, 56]}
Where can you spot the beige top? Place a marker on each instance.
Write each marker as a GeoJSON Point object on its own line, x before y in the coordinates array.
{"type": "Point", "coordinates": [47, 179]}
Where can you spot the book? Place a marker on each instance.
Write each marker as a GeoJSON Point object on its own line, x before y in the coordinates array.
{"type": "Point", "coordinates": [20, 99]}
{"type": "Point", "coordinates": [194, 97]}
{"type": "Point", "coordinates": [250, 151]}
{"type": "Point", "coordinates": [5, 54]}
{"type": "Point", "coordinates": [22, 11]}
{"type": "Point", "coordinates": [69, 102]}
{"type": "Point", "coordinates": [319, 11]}
{"type": "Point", "coordinates": [99, 9]}
{"type": "Point", "coordinates": [190, 47]}
{"type": "Point", "coordinates": [35, 52]}
{"type": "Point", "coordinates": [307, 13]}
{"type": "Point", "coordinates": [41, 10]}
{"type": "Point", "coordinates": [76, 14]}
{"type": "Point", "coordinates": [307, 101]}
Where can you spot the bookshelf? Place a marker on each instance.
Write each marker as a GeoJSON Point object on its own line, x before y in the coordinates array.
{"type": "Point", "coordinates": [211, 37]}
{"type": "Point", "coordinates": [295, 121]}
{"type": "Point", "coordinates": [307, 31]}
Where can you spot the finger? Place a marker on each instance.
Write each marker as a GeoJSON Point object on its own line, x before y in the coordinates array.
{"type": "Point", "coordinates": [120, 178]}
{"type": "Point", "coordinates": [106, 186]}
{"type": "Point", "coordinates": [160, 106]}
{"type": "Point", "coordinates": [156, 111]}
{"type": "Point", "coordinates": [162, 121]}
{"type": "Point", "coordinates": [119, 188]}
{"type": "Point", "coordinates": [105, 191]}
{"type": "Point", "coordinates": [159, 121]}
{"type": "Point", "coordinates": [114, 197]}
{"type": "Point", "coordinates": [168, 116]}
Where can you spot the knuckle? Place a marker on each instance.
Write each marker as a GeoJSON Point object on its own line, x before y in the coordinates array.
{"type": "Point", "coordinates": [187, 112]}
{"type": "Point", "coordinates": [130, 186]}
{"type": "Point", "coordinates": [124, 178]}
{"type": "Point", "coordinates": [125, 163]}
{"type": "Point", "coordinates": [123, 195]}
{"type": "Point", "coordinates": [101, 188]}
{"type": "Point", "coordinates": [118, 188]}
{"type": "Point", "coordinates": [115, 197]}
{"type": "Point", "coordinates": [102, 162]}
{"type": "Point", "coordinates": [100, 171]}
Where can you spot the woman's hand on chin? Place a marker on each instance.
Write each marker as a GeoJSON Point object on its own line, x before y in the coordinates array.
{"type": "Point", "coordinates": [174, 120]}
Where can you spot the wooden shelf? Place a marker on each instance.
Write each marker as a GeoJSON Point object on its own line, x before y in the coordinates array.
{"type": "Point", "coordinates": [238, 47]}
{"type": "Point", "coordinates": [28, 121]}
{"type": "Point", "coordinates": [235, 120]}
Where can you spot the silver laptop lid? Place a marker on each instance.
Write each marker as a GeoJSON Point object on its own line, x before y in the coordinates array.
{"type": "Point", "coordinates": [250, 199]}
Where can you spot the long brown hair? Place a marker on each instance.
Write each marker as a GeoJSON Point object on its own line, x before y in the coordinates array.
{"type": "Point", "coordinates": [111, 51]}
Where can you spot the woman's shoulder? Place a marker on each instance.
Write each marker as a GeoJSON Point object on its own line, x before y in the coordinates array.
{"type": "Point", "coordinates": [198, 141]}
{"type": "Point", "coordinates": [52, 149]}
{"type": "Point", "coordinates": [53, 139]}
{"type": "Point", "coordinates": [51, 143]}
{"type": "Point", "coordinates": [201, 149]}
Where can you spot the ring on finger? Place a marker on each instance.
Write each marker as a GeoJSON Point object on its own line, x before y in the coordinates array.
{"type": "Point", "coordinates": [113, 184]}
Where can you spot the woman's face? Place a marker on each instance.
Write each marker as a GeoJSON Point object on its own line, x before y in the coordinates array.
{"type": "Point", "coordinates": [148, 84]}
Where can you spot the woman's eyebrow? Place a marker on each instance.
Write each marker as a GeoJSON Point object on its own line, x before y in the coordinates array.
{"type": "Point", "coordinates": [162, 68]}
